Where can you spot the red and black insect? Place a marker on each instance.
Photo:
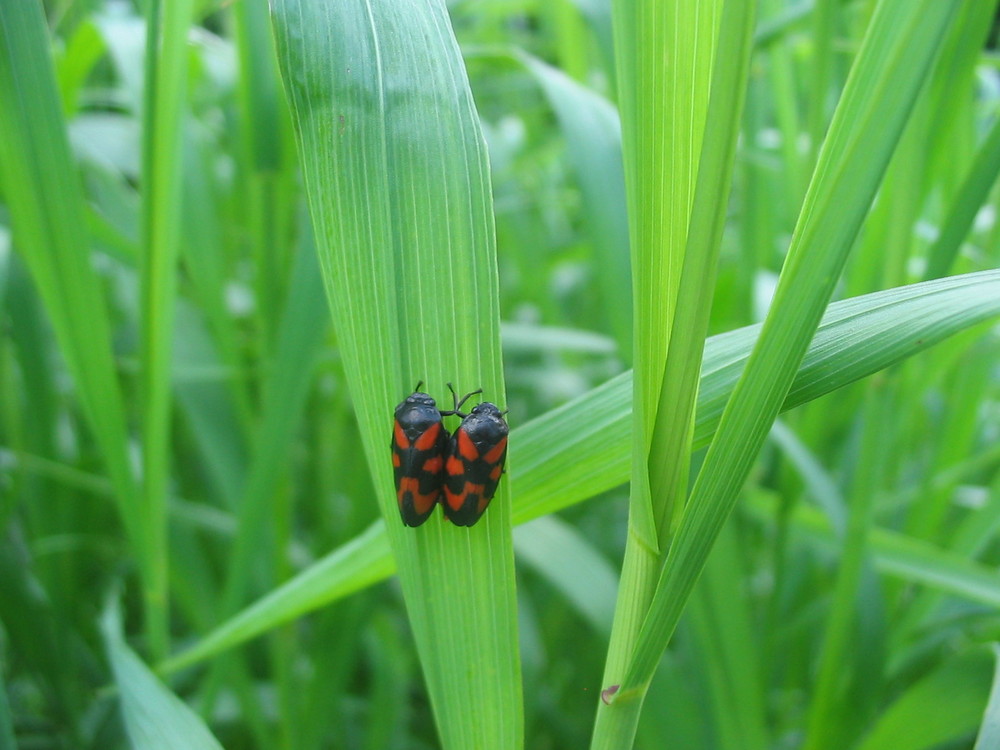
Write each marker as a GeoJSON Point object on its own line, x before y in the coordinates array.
{"type": "Point", "coordinates": [476, 456]}
{"type": "Point", "coordinates": [419, 450]}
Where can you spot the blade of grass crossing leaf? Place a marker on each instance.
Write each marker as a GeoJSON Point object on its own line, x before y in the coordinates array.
{"type": "Point", "coordinates": [155, 718]}
{"type": "Point", "coordinates": [663, 107]}
{"type": "Point", "coordinates": [668, 457]}
{"type": "Point", "coordinates": [399, 191]}
{"type": "Point", "coordinates": [559, 459]}
{"type": "Point", "coordinates": [361, 562]}
{"type": "Point", "coordinates": [884, 81]}
{"type": "Point", "coordinates": [989, 730]}
{"type": "Point", "coordinates": [163, 96]}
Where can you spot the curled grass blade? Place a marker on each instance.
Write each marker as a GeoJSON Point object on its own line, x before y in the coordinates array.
{"type": "Point", "coordinates": [898, 49]}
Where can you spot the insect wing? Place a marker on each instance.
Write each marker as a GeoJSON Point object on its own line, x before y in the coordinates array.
{"type": "Point", "coordinates": [475, 462]}
{"type": "Point", "coordinates": [419, 446]}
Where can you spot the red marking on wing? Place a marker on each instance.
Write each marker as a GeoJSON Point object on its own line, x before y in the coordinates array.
{"type": "Point", "coordinates": [426, 441]}
{"type": "Point", "coordinates": [400, 437]}
{"type": "Point", "coordinates": [466, 448]}
{"type": "Point", "coordinates": [454, 501]}
{"type": "Point", "coordinates": [454, 466]}
{"type": "Point", "coordinates": [496, 452]}
{"type": "Point", "coordinates": [395, 459]}
{"type": "Point", "coordinates": [496, 472]}
{"type": "Point", "coordinates": [411, 486]}
{"type": "Point", "coordinates": [424, 503]}
{"type": "Point", "coordinates": [433, 465]}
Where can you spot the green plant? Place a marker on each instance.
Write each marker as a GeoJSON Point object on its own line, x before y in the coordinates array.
{"type": "Point", "coordinates": [193, 459]}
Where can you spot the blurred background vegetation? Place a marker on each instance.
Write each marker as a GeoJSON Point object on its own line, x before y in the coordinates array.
{"type": "Point", "coordinates": [260, 409]}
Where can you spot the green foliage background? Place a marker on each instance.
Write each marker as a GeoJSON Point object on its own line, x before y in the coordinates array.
{"type": "Point", "coordinates": [225, 257]}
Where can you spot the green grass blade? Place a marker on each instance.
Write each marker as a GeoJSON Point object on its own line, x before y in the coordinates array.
{"type": "Point", "coordinates": [670, 446]}
{"type": "Point", "coordinates": [561, 555]}
{"type": "Point", "coordinates": [663, 103]}
{"type": "Point", "coordinates": [989, 731]}
{"type": "Point", "coordinates": [824, 725]}
{"type": "Point", "coordinates": [912, 560]}
{"type": "Point", "coordinates": [363, 561]}
{"type": "Point", "coordinates": [163, 96]}
{"type": "Point", "coordinates": [559, 459]}
{"type": "Point", "coordinates": [47, 211]}
{"type": "Point", "coordinates": [898, 49]}
{"type": "Point", "coordinates": [966, 204]}
{"type": "Point", "coordinates": [663, 110]}
{"type": "Point", "coordinates": [398, 185]}
{"type": "Point", "coordinates": [664, 457]}
{"type": "Point", "coordinates": [593, 137]}
{"type": "Point", "coordinates": [155, 718]}
{"type": "Point", "coordinates": [720, 622]}
{"type": "Point", "coordinates": [284, 392]}
{"type": "Point", "coordinates": [6, 724]}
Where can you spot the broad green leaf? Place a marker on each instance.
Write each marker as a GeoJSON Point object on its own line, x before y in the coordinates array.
{"type": "Point", "coordinates": [887, 75]}
{"type": "Point", "coordinates": [581, 449]}
{"type": "Point", "coordinates": [945, 706]}
{"type": "Point", "coordinates": [155, 718]}
{"type": "Point", "coordinates": [399, 192]}
{"type": "Point", "coordinates": [989, 731]}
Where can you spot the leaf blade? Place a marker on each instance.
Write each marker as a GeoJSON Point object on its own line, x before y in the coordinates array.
{"type": "Point", "coordinates": [399, 191]}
